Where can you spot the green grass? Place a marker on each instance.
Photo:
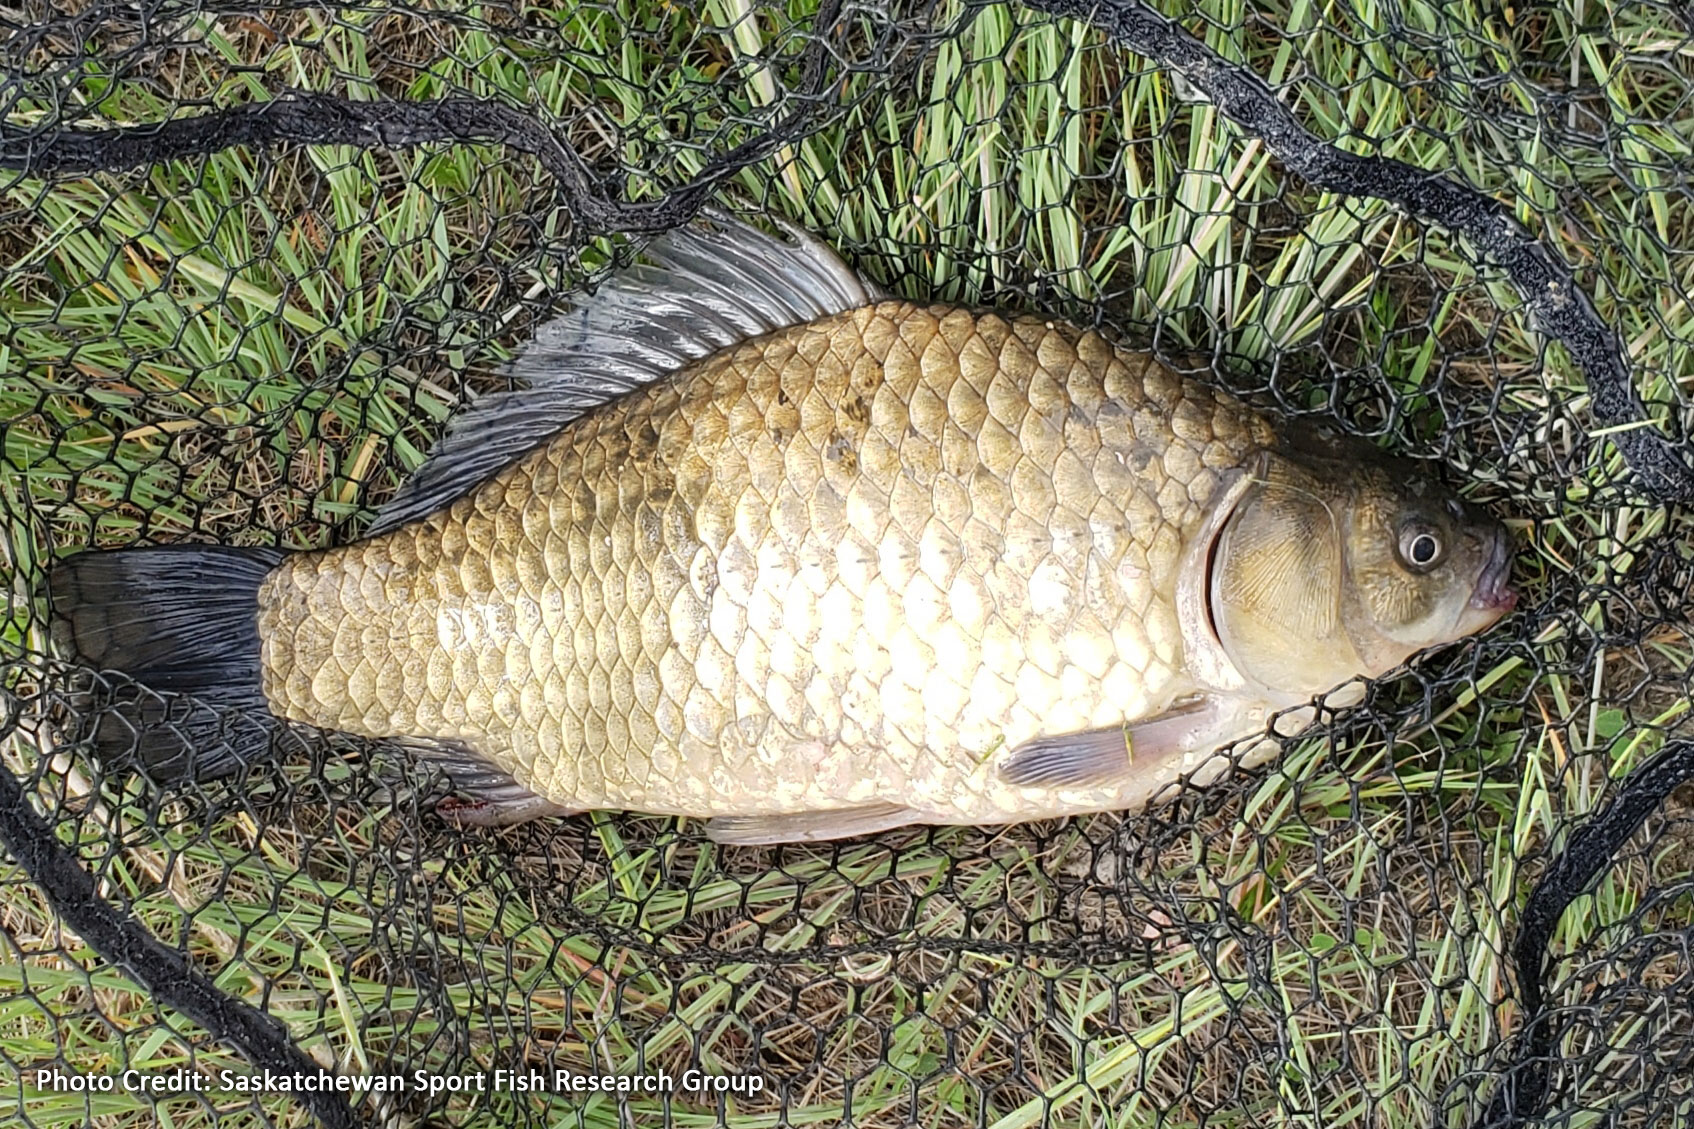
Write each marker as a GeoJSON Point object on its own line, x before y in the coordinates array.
{"type": "Point", "coordinates": [260, 347]}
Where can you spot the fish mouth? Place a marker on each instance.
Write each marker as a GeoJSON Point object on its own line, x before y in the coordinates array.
{"type": "Point", "coordinates": [1492, 592]}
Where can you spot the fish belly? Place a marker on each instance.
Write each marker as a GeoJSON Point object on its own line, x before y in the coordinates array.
{"type": "Point", "coordinates": [847, 562]}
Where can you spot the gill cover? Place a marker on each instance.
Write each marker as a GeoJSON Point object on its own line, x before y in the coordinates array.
{"type": "Point", "coordinates": [1277, 576]}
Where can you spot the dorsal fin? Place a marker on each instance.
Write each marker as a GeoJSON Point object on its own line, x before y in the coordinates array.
{"type": "Point", "coordinates": [708, 286]}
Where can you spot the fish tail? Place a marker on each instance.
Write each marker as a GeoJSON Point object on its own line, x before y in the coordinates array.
{"type": "Point", "coordinates": [176, 620]}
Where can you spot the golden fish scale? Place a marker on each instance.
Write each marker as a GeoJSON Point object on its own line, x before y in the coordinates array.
{"type": "Point", "coordinates": [839, 563]}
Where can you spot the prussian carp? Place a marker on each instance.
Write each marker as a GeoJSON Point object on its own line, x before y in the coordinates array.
{"type": "Point", "coordinates": [752, 542]}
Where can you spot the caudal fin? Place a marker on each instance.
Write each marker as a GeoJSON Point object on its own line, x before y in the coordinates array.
{"type": "Point", "coordinates": [178, 620]}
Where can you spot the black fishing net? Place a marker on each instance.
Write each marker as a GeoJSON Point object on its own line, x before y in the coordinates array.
{"type": "Point", "coordinates": [252, 257]}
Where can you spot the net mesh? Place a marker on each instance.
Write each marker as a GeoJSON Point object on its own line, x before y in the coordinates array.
{"type": "Point", "coordinates": [252, 257]}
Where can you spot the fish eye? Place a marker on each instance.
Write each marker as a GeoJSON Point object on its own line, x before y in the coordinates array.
{"type": "Point", "coordinates": [1420, 547]}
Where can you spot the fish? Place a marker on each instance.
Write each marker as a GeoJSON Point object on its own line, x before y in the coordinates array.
{"type": "Point", "coordinates": [752, 542]}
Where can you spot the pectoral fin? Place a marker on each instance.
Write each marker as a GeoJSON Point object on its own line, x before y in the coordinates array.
{"type": "Point", "coordinates": [1103, 757]}
{"type": "Point", "coordinates": [809, 826]}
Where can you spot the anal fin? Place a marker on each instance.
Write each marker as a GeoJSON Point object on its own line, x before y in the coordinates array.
{"type": "Point", "coordinates": [488, 795]}
{"type": "Point", "coordinates": [809, 826]}
{"type": "Point", "coordinates": [509, 812]}
{"type": "Point", "coordinates": [1104, 757]}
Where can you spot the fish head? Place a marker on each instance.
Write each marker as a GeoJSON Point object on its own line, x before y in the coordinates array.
{"type": "Point", "coordinates": [1337, 562]}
